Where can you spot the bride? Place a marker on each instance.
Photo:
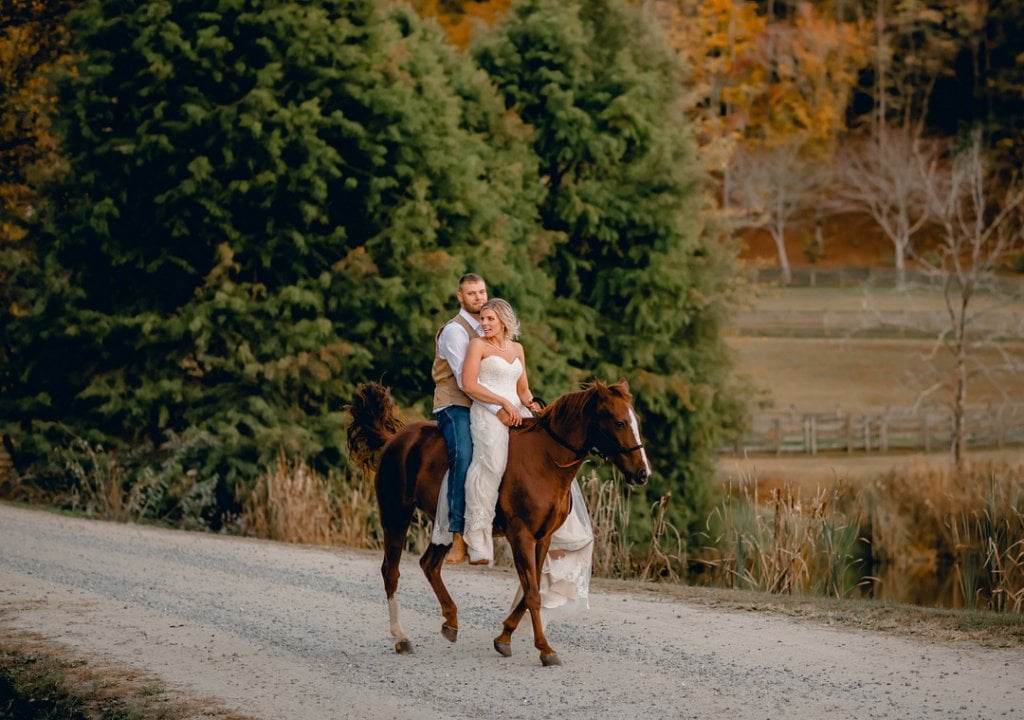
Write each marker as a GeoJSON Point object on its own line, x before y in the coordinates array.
{"type": "Point", "coordinates": [494, 376]}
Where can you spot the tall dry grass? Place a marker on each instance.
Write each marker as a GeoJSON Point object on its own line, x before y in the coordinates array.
{"type": "Point", "coordinates": [925, 527]}
{"type": "Point", "coordinates": [834, 540]}
{"type": "Point", "coordinates": [782, 542]}
{"type": "Point", "coordinates": [615, 555]}
{"type": "Point", "coordinates": [100, 484]}
{"type": "Point", "coordinates": [293, 503]}
{"type": "Point", "coordinates": [969, 524]}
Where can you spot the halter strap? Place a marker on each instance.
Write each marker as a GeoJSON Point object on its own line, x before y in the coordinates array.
{"type": "Point", "coordinates": [622, 450]}
{"type": "Point", "coordinates": [580, 453]}
{"type": "Point", "coordinates": [584, 451]}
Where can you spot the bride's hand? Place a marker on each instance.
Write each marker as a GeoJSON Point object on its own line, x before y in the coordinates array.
{"type": "Point", "coordinates": [515, 418]}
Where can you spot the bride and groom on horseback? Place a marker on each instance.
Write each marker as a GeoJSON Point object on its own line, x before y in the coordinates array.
{"type": "Point", "coordinates": [482, 390]}
{"type": "Point", "coordinates": [501, 473]}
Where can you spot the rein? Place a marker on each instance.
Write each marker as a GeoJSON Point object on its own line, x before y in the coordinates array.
{"type": "Point", "coordinates": [582, 452]}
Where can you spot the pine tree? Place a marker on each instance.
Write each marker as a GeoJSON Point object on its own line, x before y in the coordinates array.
{"type": "Point", "coordinates": [268, 201]}
{"type": "Point", "coordinates": [645, 282]}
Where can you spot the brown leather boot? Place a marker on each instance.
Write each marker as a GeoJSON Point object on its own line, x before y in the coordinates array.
{"type": "Point", "coordinates": [458, 552]}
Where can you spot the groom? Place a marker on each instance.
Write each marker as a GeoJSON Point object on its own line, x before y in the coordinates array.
{"type": "Point", "coordinates": [451, 404]}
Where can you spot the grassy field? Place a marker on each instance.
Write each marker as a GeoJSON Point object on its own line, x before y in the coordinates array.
{"type": "Point", "coordinates": [818, 350]}
{"type": "Point", "coordinates": [821, 375]}
{"type": "Point", "coordinates": [867, 299]}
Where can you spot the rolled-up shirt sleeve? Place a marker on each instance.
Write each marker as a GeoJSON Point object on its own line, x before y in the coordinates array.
{"type": "Point", "coordinates": [452, 344]}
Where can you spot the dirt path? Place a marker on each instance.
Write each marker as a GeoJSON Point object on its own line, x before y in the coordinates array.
{"type": "Point", "coordinates": [283, 632]}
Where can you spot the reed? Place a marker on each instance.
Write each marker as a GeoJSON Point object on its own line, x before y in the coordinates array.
{"type": "Point", "coordinates": [781, 543]}
{"type": "Point", "coordinates": [832, 540]}
{"type": "Point", "coordinates": [968, 524]}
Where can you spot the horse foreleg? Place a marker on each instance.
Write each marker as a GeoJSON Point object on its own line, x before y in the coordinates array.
{"type": "Point", "coordinates": [432, 561]}
{"type": "Point", "coordinates": [503, 643]}
{"type": "Point", "coordinates": [526, 551]}
{"type": "Point", "coordinates": [548, 656]}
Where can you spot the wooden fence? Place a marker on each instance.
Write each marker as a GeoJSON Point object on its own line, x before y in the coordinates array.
{"type": "Point", "coordinates": [996, 426]}
{"type": "Point", "coordinates": [845, 277]}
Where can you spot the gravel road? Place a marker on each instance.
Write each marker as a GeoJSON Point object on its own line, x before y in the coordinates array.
{"type": "Point", "coordinates": [284, 632]}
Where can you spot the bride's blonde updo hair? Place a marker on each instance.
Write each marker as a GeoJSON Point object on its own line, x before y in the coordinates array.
{"type": "Point", "coordinates": [506, 314]}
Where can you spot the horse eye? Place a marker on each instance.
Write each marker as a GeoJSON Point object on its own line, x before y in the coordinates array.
{"type": "Point", "coordinates": [619, 424]}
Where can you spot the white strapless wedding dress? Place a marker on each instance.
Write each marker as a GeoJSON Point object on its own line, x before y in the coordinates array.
{"type": "Point", "coordinates": [565, 580]}
{"type": "Point", "coordinates": [490, 454]}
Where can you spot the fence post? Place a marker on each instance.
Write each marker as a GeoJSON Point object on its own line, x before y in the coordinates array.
{"type": "Point", "coordinates": [1000, 427]}
{"type": "Point", "coordinates": [926, 432]}
{"type": "Point", "coordinates": [814, 435]}
{"type": "Point", "coordinates": [883, 433]}
{"type": "Point", "coordinates": [867, 433]}
{"type": "Point", "coordinates": [849, 434]}
{"type": "Point", "coordinates": [778, 436]}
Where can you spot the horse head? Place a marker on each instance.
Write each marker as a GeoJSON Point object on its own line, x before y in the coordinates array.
{"type": "Point", "coordinates": [615, 431]}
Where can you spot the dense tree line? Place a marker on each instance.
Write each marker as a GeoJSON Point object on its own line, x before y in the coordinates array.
{"type": "Point", "coordinates": [268, 202]}
{"type": "Point", "coordinates": [215, 221]}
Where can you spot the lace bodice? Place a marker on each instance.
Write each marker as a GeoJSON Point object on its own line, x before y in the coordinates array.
{"type": "Point", "coordinates": [500, 376]}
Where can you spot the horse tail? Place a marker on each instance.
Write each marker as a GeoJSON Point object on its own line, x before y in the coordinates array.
{"type": "Point", "coordinates": [373, 423]}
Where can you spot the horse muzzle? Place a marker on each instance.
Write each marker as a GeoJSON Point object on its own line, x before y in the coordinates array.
{"type": "Point", "coordinates": [638, 478]}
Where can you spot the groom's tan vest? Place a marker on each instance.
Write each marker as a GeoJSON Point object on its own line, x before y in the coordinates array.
{"type": "Point", "coordinates": [446, 387]}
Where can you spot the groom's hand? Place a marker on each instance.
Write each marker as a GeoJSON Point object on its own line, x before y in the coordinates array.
{"type": "Point", "coordinates": [505, 418]}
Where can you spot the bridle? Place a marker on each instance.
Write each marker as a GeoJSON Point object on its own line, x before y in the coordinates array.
{"type": "Point", "coordinates": [582, 452]}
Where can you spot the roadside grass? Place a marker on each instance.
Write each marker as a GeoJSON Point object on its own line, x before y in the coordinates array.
{"type": "Point", "coordinates": [925, 531]}
{"type": "Point", "coordinates": [42, 680]}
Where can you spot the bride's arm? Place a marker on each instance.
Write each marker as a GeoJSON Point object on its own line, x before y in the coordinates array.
{"type": "Point", "coordinates": [471, 382]}
{"type": "Point", "coordinates": [523, 385]}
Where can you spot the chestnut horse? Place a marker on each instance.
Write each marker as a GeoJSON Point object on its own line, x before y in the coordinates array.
{"type": "Point", "coordinates": [543, 457]}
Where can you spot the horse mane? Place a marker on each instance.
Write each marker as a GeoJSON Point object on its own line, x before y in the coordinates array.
{"type": "Point", "coordinates": [568, 407]}
{"type": "Point", "coordinates": [572, 405]}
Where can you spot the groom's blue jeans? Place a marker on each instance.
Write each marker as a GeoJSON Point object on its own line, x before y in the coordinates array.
{"type": "Point", "coordinates": [454, 424]}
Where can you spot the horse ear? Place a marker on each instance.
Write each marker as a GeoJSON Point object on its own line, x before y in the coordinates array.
{"type": "Point", "coordinates": [624, 383]}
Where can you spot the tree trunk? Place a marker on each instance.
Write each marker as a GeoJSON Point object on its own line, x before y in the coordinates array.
{"type": "Point", "coordinates": [780, 245]}
{"type": "Point", "coordinates": [959, 412]}
{"type": "Point", "coordinates": [901, 265]}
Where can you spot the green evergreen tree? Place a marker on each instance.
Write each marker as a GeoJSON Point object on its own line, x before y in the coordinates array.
{"type": "Point", "coordinates": [268, 202]}
{"type": "Point", "coordinates": [646, 284]}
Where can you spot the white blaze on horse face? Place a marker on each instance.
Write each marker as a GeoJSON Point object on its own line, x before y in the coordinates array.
{"type": "Point", "coordinates": [636, 440]}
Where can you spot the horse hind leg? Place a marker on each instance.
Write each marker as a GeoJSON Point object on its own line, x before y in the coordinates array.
{"type": "Point", "coordinates": [431, 562]}
{"type": "Point", "coordinates": [389, 569]}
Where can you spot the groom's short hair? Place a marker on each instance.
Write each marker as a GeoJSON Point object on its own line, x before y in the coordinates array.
{"type": "Point", "coordinates": [470, 277]}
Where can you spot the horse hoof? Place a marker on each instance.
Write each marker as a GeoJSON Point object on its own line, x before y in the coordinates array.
{"type": "Point", "coordinates": [504, 649]}
{"type": "Point", "coordinates": [550, 660]}
{"type": "Point", "coordinates": [403, 647]}
{"type": "Point", "coordinates": [451, 634]}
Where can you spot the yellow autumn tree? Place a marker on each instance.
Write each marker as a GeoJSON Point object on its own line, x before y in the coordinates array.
{"type": "Point", "coordinates": [760, 80]}
{"type": "Point", "coordinates": [32, 42]}
{"type": "Point", "coordinates": [717, 39]}
{"type": "Point", "coordinates": [459, 18]}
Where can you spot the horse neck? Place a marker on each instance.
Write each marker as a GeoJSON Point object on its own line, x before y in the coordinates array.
{"type": "Point", "coordinates": [568, 419]}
